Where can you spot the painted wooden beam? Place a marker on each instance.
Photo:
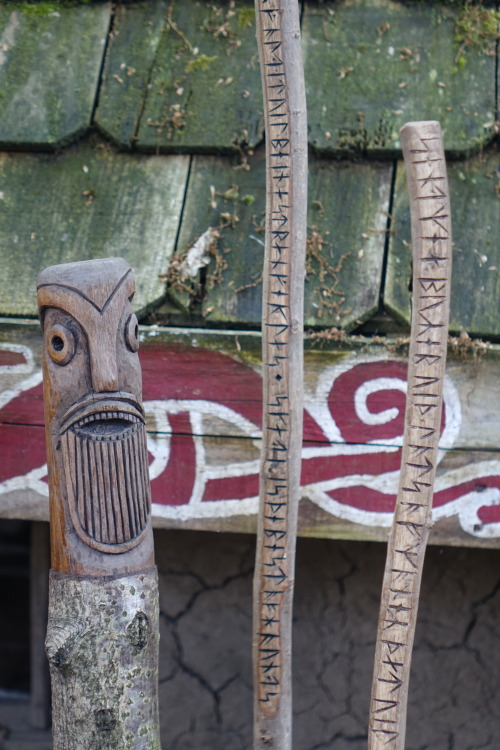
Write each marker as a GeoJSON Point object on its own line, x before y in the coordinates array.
{"type": "Point", "coordinates": [202, 395]}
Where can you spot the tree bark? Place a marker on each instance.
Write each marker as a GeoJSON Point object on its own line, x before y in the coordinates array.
{"type": "Point", "coordinates": [278, 37]}
{"type": "Point", "coordinates": [431, 241]}
{"type": "Point", "coordinates": [102, 644]}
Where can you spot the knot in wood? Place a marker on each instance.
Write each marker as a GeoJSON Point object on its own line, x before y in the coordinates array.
{"type": "Point", "coordinates": [61, 639]}
{"type": "Point", "coordinates": [266, 739]}
{"type": "Point", "coordinates": [138, 631]}
{"type": "Point", "coordinates": [105, 719]}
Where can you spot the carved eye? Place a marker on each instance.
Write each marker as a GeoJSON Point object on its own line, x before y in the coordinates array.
{"type": "Point", "coordinates": [61, 344]}
{"type": "Point", "coordinates": [132, 333]}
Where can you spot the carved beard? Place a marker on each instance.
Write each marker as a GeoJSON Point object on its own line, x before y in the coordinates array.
{"type": "Point", "coordinates": [110, 506]}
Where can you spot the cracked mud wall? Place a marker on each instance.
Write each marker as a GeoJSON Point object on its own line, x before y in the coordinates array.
{"type": "Point", "coordinates": [205, 655]}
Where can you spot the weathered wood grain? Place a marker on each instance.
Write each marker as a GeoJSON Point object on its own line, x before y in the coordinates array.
{"type": "Point", "coordinates": [474, 189]}
{"type": "Point", "coordinates": [88, 202]}
{"type": "Point", "coordinates": [132, 47]}
{"type": "Point", "coordinates": [50, 61]}
{"type": "Point", "coordinates": [203, 92]}
{"type": "Point", "coordinates": [347, 220]}
{"type": "Point", "coordinates": [372, 65]}
{"type": "Point", "coordinates": [432, 262]}
{"type": "Point", "coordinates": [203, 418]}
{"type": "Point", "coordinates": [285, 112]}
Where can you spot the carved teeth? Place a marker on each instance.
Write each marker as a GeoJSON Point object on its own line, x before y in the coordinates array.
{"type": "Point", "coordinates": [106, 415]}
{"type": "Point", "coordinates": [107, 425]}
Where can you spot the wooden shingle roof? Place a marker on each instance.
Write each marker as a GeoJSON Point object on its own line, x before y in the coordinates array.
{"type": "Point", "coordinates": [164, 98]}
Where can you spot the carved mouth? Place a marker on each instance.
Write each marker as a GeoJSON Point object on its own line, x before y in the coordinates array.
{"type": "Point", "coordinates": [103, 417]}
{"type": "Point", "coordinates": [107, 425]}
{"type": "Point", "coordinates": [105, 461]}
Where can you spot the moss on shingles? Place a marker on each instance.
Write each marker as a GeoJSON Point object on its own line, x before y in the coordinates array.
{"type": "Point", "coordinates": [41, 108]}
{"type": "Point", "coordinates": [456, 4]}
{"type": "Point", "coordinates": [35, 10]}
{"type": "Point", "coordinates": [206, 66]}
{"type": "Point", "coordinates": [477, 29]}
{"type": "Point", "coordinates": [88, 201]}
{"type": "Point", "coordinates": [202, 62]}
{"type": "Point", "coordinates": [40, 8]}
{"type": "Point", "coordinates": [372, 65]}
{"type": "Point", "coordinates": [246, 17]}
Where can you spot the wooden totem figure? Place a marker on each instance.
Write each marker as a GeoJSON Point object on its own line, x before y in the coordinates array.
{"type": "Point", "coordinates": [102, 638]}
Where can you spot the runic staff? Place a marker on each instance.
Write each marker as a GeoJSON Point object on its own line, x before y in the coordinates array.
{"type": "Point", "coordinates": [431, 242]}
{"type": "Point", "coordinates": [278, 37]}
{"type": "Point", "coordinates": [102, 637]}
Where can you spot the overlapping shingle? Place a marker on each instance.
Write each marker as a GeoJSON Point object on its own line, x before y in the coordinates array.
{"type": "Point", "coordinates": [182, 76]}
{"type": "Point", "coordinates": [475, 203]}
{"type": "Point", "coordinates": [87, 202]}
{"type": "Point", "coordinates": [50, 61]}
{"type": "Point", "coordinates": [372, 65]}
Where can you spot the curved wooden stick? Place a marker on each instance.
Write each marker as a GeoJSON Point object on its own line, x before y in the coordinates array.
{"type": "Point", "coordinates": [278, 37]}
{"type": "Point", "coordinates": [102, 636]}
{"type": "Point", "coordinates": [431, 242]}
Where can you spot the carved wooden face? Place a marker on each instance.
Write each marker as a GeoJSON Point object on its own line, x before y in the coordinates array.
{"type": "Point", "coordinates": [92, 382]}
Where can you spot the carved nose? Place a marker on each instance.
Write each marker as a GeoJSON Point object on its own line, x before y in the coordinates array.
{"type": "Point", "coordinates": [104, 370]}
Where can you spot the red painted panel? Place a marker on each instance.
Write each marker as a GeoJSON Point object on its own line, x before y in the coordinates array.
{"type": "Point", "coordinates": [357, 402]}
{"type": "Point", "coordinates": [174, 486]}
{"type": "Point", "coordinates": [21, 449]}
{"type": "Point", "coordinates": [9, 358]}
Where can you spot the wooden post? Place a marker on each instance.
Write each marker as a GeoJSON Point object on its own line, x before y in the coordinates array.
{"type": "Point", "coordinates": [278, 37]}
{"type": "Point", "coordinates": [431, 242]}
{"type": "Point", "coordinates": [102, 637]}
{"type": "Point", "coordinates": [39, 596]}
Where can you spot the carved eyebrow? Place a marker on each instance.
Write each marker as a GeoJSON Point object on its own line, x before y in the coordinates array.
{"type": "Point", "coordinates": [127, 273]}
{"type": "Point", "coordinates": [71, 289]}
{"type": "Point", "coordinates": [85, 297]}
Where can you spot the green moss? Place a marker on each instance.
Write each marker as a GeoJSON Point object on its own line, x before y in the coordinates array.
{"type": "Point", "coordinates": [202, 62]}
{"type": "Point", "coordinates": [46, 7]}
{"type": "Point", "coordinates": [246, 17]}
{"type": "Point", "coordinates": [477, 28]}
{"type": "Point", "coordinates": [35, 10]}
{"type": "Point", "coordinates": [461, 63]}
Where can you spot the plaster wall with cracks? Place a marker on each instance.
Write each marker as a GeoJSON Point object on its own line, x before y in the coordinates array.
{"type": "Point", "coordinates": [205, 664]}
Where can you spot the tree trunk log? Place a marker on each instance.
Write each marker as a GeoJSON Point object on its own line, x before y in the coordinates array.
{"type": "Point", "coordinates": [102, 644]}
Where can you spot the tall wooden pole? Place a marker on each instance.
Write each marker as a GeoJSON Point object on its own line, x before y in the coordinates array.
{"type": "Point", "coordinates": [278, 37]}
{"type": "Point", "coordinates": [431, 242]}
{"type": "Point", "coordinates": [102, 637]}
